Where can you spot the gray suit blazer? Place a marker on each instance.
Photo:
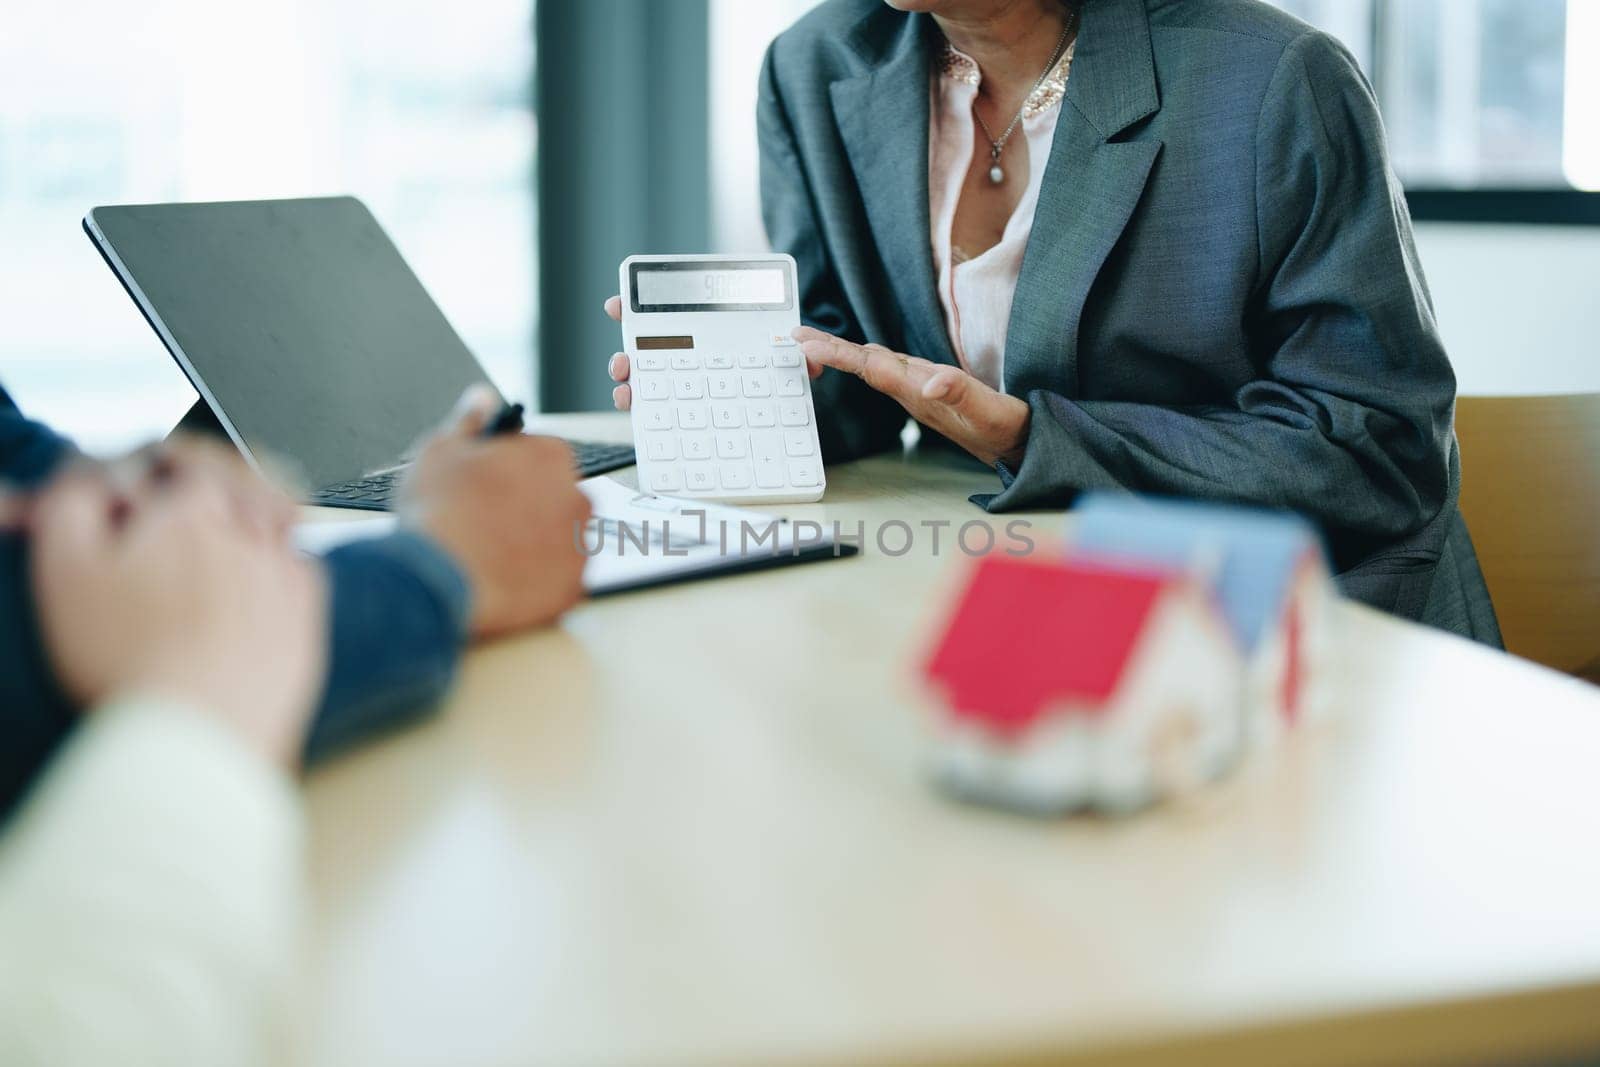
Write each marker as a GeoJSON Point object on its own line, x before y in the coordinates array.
{"type": "Point", "coordinates": [1220, 297]}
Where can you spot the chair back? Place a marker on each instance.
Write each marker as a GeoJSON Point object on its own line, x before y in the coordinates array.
{"type": "Point", "coordinates": [1530, 493]}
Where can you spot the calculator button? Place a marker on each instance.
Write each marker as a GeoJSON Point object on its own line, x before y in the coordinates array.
{"type": "Point", "coordinates": [768, 452]}
{"type": "Point", "coordinates": [685, 360]}
{"type": "Point", "coordinates": [693, 417]}
{"type": "Point", "coordinates": [718, 362]}
{"type": "Point", "coordinates": [696, 445]}
{"type": "Point", "coordinates": [793, 413]}
{"type": "Point", "coordinates": [660, 446]}
{"type": "Point", "coordinates": [655, 416]}
{"type": "Point", "coordinates": [790, 385]}
{"type": "Point", "coordinates": [786, 357]}
{"type": "Point", "coordinates": [727, 415]}
{"type": "Point", "coordinates": [798, 442]}
{"type": "Point", "coordinates": [650, 361]}
{"type": "Point", "coordinates": [757, 385]}
{"type": "Point", "coordinates": [752, 360]}
{"type": "Point", "coordinates": [652, 386]}
{"type": "Point", "coordinates": [760, 415]}
{"type": "Point", "coordinates": [736, 475]}
{"type": "Point", "coordinates": [731, 446]}
{"type": "Point", "coordinates": [723, 385]}
{"type": "Point", "coordinates": [802, 472]}
{"type": "Point", "coordinates": [665, 480]}
{"type": "Point", "coordinates": [699, 477]}
{"type": "Point", "coordinates": [689, 386]}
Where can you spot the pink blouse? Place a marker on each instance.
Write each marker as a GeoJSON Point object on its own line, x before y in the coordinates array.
{"type": "Point", "coordinates": [976, 291]}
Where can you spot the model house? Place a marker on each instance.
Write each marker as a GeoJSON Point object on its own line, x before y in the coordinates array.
{"type": "Point", "coordinates": [1266, 569]}
{"type": "Point", "coordinates": [1065, 684]}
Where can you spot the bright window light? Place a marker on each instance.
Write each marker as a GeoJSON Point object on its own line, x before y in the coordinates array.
{"type": "Point", "coordinates": [419, 108]}
{"type": "Point", "coordinates": [1581, 156]}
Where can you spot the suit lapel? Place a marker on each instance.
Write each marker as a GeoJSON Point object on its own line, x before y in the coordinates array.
{"type": "Point", "coordinates": [882, 117]}
{"type": "Point", "coordinates": [1091, 186]}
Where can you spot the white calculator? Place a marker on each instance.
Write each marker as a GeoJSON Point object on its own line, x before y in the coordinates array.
{"type": "Point", "coordinates": [721, 401]}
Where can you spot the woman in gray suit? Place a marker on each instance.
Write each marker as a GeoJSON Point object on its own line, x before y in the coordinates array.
{"type": "Point", "coordinates": [1147, 244]}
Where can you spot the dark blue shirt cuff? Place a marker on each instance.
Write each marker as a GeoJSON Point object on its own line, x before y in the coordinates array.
{"type": "Point", "coordinates": [400, 609]}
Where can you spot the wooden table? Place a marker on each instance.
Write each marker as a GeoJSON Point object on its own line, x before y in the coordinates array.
{"type": "Point", "coordinates": [691, 826]}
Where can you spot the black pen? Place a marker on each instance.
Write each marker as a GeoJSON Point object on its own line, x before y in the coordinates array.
{"type": "Point", "coordinates": [509, 420]}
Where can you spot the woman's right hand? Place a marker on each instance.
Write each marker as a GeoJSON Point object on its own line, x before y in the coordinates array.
{"type": "Point", "coordinates": [620, 369]}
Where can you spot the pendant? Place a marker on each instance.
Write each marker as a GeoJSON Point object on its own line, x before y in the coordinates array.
{"type": "Point", "coordinates": [996, 175]}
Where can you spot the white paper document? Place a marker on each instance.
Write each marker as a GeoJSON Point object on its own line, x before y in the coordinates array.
{"type": "Point", "coordinates": [636, 539]}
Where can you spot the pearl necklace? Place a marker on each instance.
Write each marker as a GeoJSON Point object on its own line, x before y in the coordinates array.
{"type": "Point", "coordinates": [997, 174]}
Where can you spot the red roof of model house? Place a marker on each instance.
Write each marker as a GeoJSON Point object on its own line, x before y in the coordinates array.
{"type": "Point", "coordinates": [1027, 635]}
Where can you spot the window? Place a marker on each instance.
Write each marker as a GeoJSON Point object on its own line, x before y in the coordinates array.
{"type": "Point", "coordinates": [421, 109]}
{"type": "Point", "coordinates": [1479, 94]}
{"type": "Point", "coordinates": [740, 33]}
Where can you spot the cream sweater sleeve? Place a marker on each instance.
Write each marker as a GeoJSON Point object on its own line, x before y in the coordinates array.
{"type": "Point", "coordinates": [149, 899]}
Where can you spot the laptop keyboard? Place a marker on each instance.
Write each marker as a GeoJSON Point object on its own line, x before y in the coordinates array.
{"type": "Point", "coordinates": [375, 493]}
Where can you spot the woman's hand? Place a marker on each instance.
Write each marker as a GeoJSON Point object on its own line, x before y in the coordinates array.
{"type": "Point", "coordinates": [618, 368]}
{"type": "Point", "coordinates": [989, 424]}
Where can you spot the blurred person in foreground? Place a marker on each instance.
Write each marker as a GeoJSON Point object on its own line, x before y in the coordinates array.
{"type": "Point", "coordinates": [485, 547]}
{"type": "Point", "coordinates": [149, 888]}
{"type": "Point", "coordinates": [150, 885]}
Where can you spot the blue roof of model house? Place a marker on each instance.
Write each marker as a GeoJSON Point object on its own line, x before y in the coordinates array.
{"type": "Point", "coordinates": [1251, 554]}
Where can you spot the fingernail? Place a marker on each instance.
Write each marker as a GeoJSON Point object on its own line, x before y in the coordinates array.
{"type": "Point", "coordinates": [475, 398]}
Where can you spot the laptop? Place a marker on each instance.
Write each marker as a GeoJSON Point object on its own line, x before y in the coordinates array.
{"type": "Point", "coordinates": [306, 334]}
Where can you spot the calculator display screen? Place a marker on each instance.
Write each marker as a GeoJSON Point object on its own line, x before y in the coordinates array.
{"type": "Point", "coordinates": [720, 285]}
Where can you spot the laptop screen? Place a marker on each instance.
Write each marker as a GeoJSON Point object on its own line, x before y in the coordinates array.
{"type": "Point", "coordinates": [298, 321]}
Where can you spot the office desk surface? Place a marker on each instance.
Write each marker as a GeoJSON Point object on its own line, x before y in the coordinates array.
{"type": "Point", "coordinates": [691, 826]}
